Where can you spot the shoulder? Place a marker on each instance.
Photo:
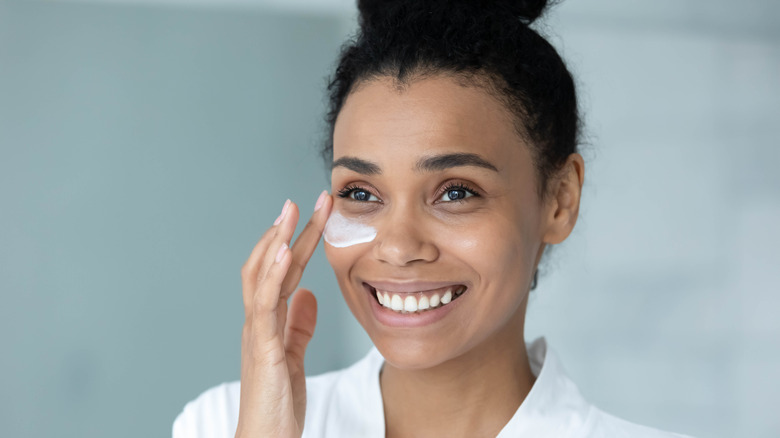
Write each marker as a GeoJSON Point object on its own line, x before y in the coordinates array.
{"type": "Point", "coordinates": [214, 413]}
{"type": "Point", "coordinates": [555, 406]}
{"type": "Point", "coordinates": [347, 402]}
{"type": "Point", "coordinates": [329, 396]}
{"type": "Point", "coordinates": [601, 424]}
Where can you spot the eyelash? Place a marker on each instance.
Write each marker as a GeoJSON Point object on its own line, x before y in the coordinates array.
{"type": "Point", "coordinates": [346, 191]}
{"type": "Point", "coordinates": [458, 186]}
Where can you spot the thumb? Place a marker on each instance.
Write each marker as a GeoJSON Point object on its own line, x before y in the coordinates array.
{"type": "Point", "coordinates": [301, 319]}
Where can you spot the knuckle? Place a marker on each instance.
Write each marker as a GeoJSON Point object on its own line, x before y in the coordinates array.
{"type": "Point", "coordinates": [259, 307]}
{"type": "Point", "coordinates": [312, 225]}
{"type": "Point", "coordinates": [297, 265]}
{"type": "Point", "coordinates": [306, 334]}
{"type": "Point", "coordinates": [269, 354]}
{"type": "Point", "coordinates": [268, 234]}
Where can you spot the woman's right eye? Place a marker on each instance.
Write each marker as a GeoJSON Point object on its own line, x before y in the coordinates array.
{"type": "Point", "coordinates": [362, 195]}
{"type": "Point", "coordinates": [357, 194]}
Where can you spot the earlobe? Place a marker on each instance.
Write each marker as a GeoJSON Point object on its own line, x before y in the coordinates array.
{"type": "Point", "coordinates": [563, 204]}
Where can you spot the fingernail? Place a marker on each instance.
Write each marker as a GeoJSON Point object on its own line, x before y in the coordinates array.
{"type": "Point", "coordinates": [284, 210]}
{"type": "Point", "coordinates": [320, 200]}
{"type": "Point", "coordinates": [280, 253]}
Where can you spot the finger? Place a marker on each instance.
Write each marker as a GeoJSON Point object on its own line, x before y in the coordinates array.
{"type": "Point", "coordinates": [284, 233]}
{"type": "Point", "coordinates": [266, 297]}
{"type": "Point", "coordinates": [305, 244]}
{"type": "Point", "coordinates": [251, 267]}
{"type": "Point", "coordinates": [301, 320]}
{"type": "Point", "coordinates": [269, 287]}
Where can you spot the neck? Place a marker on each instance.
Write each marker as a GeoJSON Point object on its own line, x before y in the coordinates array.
{"type": "Point", "coordinates": [475, 394]}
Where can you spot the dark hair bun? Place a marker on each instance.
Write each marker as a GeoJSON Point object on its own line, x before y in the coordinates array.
{"type": "Point", "coordinates": [527, 10]}
{"type": "Point", "coordinates": [488, 44]}
{"type": "Point", "coordinates": [374, 12]}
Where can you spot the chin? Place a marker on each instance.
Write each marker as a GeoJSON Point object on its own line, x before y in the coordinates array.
{"type": "Point", "coordinates": [406, 355]}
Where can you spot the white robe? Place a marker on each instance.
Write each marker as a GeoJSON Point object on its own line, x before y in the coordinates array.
{"type": "Point", "coordinates": [348, 403]}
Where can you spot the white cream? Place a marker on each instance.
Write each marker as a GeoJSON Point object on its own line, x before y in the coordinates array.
{"type": "Point", "coordinates": [341, 231]}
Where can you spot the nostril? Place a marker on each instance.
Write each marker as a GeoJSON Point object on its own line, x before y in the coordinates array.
{"type": "Point", "coordinates": [402, 250]}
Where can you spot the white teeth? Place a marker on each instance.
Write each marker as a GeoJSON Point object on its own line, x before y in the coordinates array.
{"type": "Point", "coordinates": [423, 303]}
{"type": "Point", "coordinates": [397, 303]}
{"type": "Point", "coordinates": [447, 297]}
{"type": "Point", "coordinates": [410, 304]}
{"type": "Point", "coordinates": [385, 299]}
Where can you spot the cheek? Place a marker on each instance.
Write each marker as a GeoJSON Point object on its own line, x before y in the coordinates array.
{"type": "Point", "coordinates": [339, 258]}
{"type": "Point", "coordinates": [343, 261]}
{"type": "Point", "coordinates": [497, 250]}
{"type": "Point", "coordinates": [341, 235]}
{"type": "Point", "coordinates": [342, 232]}
{"type": "Point", "coordinates": [490, 249]}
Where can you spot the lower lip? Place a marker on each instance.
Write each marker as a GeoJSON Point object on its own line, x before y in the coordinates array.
{"type": "Point", "coordinates": [392, 318]}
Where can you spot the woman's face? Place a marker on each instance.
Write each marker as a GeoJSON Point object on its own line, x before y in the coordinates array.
{"type": "Point", "coordinates": [443, 192]}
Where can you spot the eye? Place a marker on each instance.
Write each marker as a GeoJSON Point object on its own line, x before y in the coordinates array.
{"type": "Point", "coordinates": [357, 194]}
{"type": "Point", "coordinates": [362, 195]}
{"type": "Point", "coordinates": [456, 192]}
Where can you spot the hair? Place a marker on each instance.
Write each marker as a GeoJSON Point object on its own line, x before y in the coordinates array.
{"type": "Point", "coordinates": [487, 44]}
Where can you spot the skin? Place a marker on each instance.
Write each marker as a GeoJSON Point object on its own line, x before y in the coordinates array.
{"type": "Point", "coordinates": [274, 339]}
{"type": "Point", "coordinates": [467, 373]}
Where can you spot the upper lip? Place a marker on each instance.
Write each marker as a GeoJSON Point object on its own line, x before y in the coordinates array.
{"type": "Point", "coordinates": [409, 286]}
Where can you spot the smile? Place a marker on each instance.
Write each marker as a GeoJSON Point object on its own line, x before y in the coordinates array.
{"type": "Point", "coordinates": [420, 301]}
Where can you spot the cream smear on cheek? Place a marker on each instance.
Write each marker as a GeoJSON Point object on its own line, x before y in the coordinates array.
{"type": "Point", "coordinates": [341, 231]}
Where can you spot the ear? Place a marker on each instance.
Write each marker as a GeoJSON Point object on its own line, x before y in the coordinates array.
{"type": "Point", "coordinates": [563, 200]}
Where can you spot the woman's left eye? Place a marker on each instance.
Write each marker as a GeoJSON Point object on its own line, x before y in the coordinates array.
{"type": "Point", "coordinates": [456, 193]}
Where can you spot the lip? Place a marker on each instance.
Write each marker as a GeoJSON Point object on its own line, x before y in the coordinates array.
{"type": "Point", "coordinates": [390, 318]}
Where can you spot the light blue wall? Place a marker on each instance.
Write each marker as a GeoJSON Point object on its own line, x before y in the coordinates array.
{"type": "Point", "coordinates": [663, 304]}
{"type": "Point", "coordinates": [143, 150]}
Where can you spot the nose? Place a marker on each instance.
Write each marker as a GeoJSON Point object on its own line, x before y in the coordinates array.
{"type": "Point", "coordinates": [401, 240]}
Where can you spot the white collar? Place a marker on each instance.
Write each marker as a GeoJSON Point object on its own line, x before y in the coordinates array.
{"type": "Point", "coordinates": [553, 407]}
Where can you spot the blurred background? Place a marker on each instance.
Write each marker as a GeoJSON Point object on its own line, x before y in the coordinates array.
{"type": "Point", "coordinates": [146, 146]}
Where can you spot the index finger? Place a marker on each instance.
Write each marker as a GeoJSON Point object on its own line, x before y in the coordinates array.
{"type": "Point", "coordinates": [305, 245]}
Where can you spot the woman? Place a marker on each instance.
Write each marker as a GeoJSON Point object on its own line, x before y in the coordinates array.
{"type": "Point", "coordinates": [453, 149]}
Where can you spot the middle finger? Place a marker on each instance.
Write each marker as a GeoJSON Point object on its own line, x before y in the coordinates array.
{"type": "Point", "coordinates": [305, 244]}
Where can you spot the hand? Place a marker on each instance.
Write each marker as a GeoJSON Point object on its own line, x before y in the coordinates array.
{"type": "Point", "coordinates": [273, 342]}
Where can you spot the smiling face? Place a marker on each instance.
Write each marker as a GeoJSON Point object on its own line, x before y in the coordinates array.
{"type": "Point", "coordinates": [440, 175]}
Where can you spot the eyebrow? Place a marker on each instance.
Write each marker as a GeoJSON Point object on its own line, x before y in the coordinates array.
{"type": "Point", "coordinates": [446, 161]}
{"type": "Point", "coordinates": [357, 165]}
{"type": "Point", "coordinates": [427, 164]}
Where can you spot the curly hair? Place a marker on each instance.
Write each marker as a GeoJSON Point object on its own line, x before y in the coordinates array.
{"type": "Point", "coordinates": [487, 44]}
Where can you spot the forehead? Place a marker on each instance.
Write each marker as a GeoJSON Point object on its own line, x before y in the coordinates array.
{"type": "Point", "coordinates": [384, 122]}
